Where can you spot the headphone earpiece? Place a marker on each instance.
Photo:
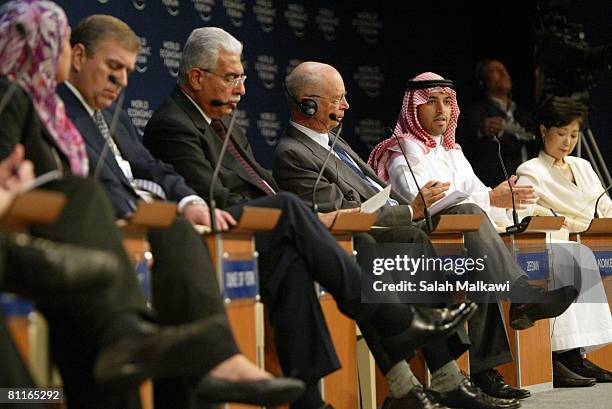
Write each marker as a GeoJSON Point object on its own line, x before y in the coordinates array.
{"type": "Point", "coordinates": [308, 106]}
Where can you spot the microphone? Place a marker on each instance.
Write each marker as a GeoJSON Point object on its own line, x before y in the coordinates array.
{"type": "Point", "coordinates": [333, 117]}
{"type": "Point", "coordinates": [23, 34]}
{"type": "Point", "coordinates": [427, 214]}
{"type": "Point", "coordinates": [517, 226]}
{"type": "Point", "coordinates": [596, 215]}
{"type": "Point", "coordinates": [111, 129]}
{"type": "Point", "coordinates": [211, 191]}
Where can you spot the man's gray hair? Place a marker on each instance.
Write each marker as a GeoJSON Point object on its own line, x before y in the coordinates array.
{"type": "Point", "coordinates": [202, 50]}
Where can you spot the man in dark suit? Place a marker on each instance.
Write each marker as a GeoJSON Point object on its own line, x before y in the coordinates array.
{"type": "Point", "coordinates": [187, 132]}
{"type": "Point", "coordinates": [184, 285]}
{"type": "Point", "coordinates": [494, 113]}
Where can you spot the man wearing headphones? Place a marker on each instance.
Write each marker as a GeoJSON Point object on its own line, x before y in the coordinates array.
{"type": "Point", "coordinates": [495, 114]}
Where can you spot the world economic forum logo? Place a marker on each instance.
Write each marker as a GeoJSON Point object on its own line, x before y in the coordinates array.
{"type": "Point", "coordinates": [369, 131]}
{"type": "Point", "coordinates": [170, 53]}
{"type": "Point", "coordinates": [269, 127]}
{"type": "Point", "coordinates": [368, 25]}
{"type": "Point", "coordinates": [204, 8]}
{"type": "Point", "coordinates": [173, 6]}
{"type": "Point", "coordinates": [370, 79]}
{"type": "Point", "coordinates": [265, 13]}
{"type": "Point", "coordinates": [235, 10]}
{"type": "Point", "coordinates": [266, 70]}
{"type": "Point", "coordinates": [139, 4]}
{"type": "Point", "coordinates": [142, 60]}
{"type": "Point", "coordinates": [297, 18]}
{"type": "Point", "coordinates": [139, 111]}
{"type": "Point", "coordinates": [327, 23]}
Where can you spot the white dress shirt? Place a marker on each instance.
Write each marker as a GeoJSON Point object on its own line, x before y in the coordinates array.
{"type": "Point", "coordinates": [444, 166]}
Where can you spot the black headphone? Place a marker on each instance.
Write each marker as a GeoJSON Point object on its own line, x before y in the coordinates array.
{"type": "Point", "coordinates": [308, 106]}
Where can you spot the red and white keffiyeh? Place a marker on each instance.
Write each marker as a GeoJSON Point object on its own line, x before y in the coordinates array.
{"type": "Point", "coordinates": [409, 128]}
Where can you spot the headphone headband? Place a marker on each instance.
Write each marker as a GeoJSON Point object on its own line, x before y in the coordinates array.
{"type": "Point", "coordinates": [429, 84]}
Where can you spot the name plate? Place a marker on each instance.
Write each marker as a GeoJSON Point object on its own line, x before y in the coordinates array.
{"type": "Point", "coordinates": [240, 279]}
{"type": "Point", "coordinates": [13, 305]}
{"type": "Point", "coordinates": [604, 262]}
{"type": "Point", "coordinates": [534, 264]}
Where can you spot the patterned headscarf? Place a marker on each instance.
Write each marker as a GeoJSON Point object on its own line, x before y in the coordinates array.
{"type": "Point", "coordinates": [46, 28]}
{"type": "Point", "coordinates": [408, 126]}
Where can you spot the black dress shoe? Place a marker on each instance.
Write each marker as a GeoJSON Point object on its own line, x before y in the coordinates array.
{"type": "Point", "coordinates": [415, 399]}
{"type": "Point", "coordinates": [427, 325]}
{"type": "Point", "coordinates": [544, 304]}
{"type": "Point", "coordinates": [574, 361]}
{"type": "Point", "coordinates": [159, 352]}
{"type": "Point", "coordinates": [450, 313]}
{"type": "Point", "coordinates": [492, 383]}
{"type": "Point", "coordinates": [591, 370]}
{"type": "Point", "coordinates": [565, 378]}
{"type": "Point", "coordinates": [45, 270]}
{"type": "Point", "coordinates": [469, 396]}
{"type": "Point", "coordinates": [268, 392]}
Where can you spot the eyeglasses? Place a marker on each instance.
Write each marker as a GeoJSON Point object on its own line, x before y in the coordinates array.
{"type": "Point", "coordinates": [231, 80]}
{"type": "Point", "coordinates": [333, 100]}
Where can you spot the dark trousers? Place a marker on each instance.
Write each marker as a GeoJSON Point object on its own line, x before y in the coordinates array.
{"type": "Point", "coordinates": [438, 352]}
{"type": "Point", "coordinates": [490, 345]}
{"type": "Point", "coordinates": [185, 289]}
{"type": "Point", "coordinates": [82, 325]}
{"type": "Point", "coordinates": [296, 253]}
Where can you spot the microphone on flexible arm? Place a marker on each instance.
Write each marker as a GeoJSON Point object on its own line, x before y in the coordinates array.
{"type": "Point", "coordinates": [427, 214]}
{"type": "Point", "coordinates": [596, 215]}
{"type": "Point", "coordinates": [517, 226]}
{"type": "Point", "coordinates": [211, 191]}
{"type": "Point", "coordinates": [111, 129]}
{"type": "Point", "coordinates": [22, 32]}
{"type": "Point", "coordinates": [333, 117]}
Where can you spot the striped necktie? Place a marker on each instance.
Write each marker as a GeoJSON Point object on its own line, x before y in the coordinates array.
{"type": "Point", "coordinates": [137, 184]}
{"type": "Point", "coordinates": [219, 128]}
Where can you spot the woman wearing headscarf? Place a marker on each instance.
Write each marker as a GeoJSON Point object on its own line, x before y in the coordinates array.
{"type": "Point", "coordinates": [569, 186]}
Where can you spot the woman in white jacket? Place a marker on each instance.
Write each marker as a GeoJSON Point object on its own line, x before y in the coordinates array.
{"type": "Point", "coordinates": [568, 186]}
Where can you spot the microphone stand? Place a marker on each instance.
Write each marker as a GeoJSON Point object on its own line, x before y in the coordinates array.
{"type": "Point", "coordinates": [517, 226]}
{"type": "Point", "coordinates": [211, 191]}
{"type": "Point", "coordinates": [427, 214]}
{"type": "Point", "coordinates": [596, 215]}
{"type": "Point", "coordinates": [315, 207]}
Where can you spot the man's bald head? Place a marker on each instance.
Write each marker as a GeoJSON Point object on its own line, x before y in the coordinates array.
{"type": "Point", "coordinates": [322, 84]}
{"type": "Point", "coordinates": [307, 78]}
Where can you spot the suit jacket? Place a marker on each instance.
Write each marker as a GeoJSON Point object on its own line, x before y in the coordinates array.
{"type": "Point", "coordinates": [297, 162]}
{"type": "Point", "coordinates": [178, 134]}
{"type": "Point", "coordinates": [20, 124]}
{"type": "Point", "coordinates": [144, 165]}
{"type": "Point", "coordinates": [482, 151]}
{"type": "Point", "coordinates": [576, 202]}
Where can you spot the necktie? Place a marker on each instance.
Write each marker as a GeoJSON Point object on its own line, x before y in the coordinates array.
{"type": "Point", "coordinates": [219, 128]}
{"type": "Point", "coordinates": [344, 157]}
{"type": "Point", "coordinates": [142, 184]}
